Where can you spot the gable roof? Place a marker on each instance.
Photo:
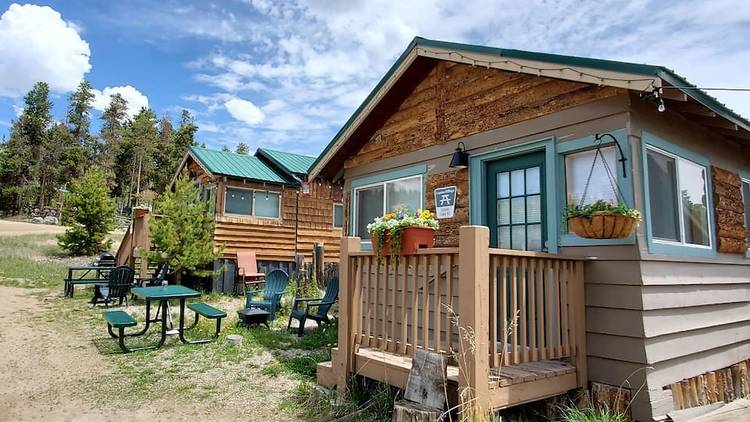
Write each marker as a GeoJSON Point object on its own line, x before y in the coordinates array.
{"type": "Point", "coordinates": [236, 165]}
{"type": "Point", "coordinates": [632, 76]}
{"type": "Point", "coordinates": [297, 164]}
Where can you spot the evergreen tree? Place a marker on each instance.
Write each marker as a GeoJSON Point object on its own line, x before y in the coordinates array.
{"type": "Point", "coordinates": [183, 236]}
{"type": "Point", "coordinates": [134, 161]}
{"type": "Point", "coordinates": [93, 214]}
{"type": "Point", "coordinates": [79, 118]}
{"type": "Point", "coordinates": [114, 118]}
{"type": "Point", "coordinates": [225, 148]}
{"type": "Point", "coordinates": [242, 148]}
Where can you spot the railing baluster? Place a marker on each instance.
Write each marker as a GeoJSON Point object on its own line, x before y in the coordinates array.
{"type": "Point", "coordinates": [384, 322]}
{"type": "Point", "coordinates": [542, 333]}
{"type": "Point", "coordinates": [404, 309]}
{"type": "Point", "coordinates": [558, 314]}
{"type": "Point", "coordinates": [565, 340]}
{"type": "Point", "coordinates": [550, 305]}
{"type": "Point", "coordinates": [414, 306]}
{"type": "Point", "coordinates": [514, 306]}
{"type": "Point", "coordinates": [394, 287]}
{"type": "Point", "coordinates": [368, 308]}
{"type": "Point", "coordinates": [571, 304]}
{"type": "Point", "coordinates": [524, 320]}
{"type": "Point", "coordinates": [494, 361]}
{"type": "Point", "coordinates": [436, 303]}
{"type": "Point", "coordinates": [356, 272]}
{"type": "Point", "coordinates": [504, 308]}
{"type": "Point", "coordinates": [532, 309]}
{"type": "Point", "coordinates": [425, 304]}
{"type": "Point", "coordinates": [449, 300]}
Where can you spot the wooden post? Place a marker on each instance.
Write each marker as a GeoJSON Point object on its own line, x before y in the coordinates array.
{"type": "Point", "coordinates": [318, 254]}
{"type": "Point", "coordinates": [342, 366]}
{"type": "Point", "coordinates": [473, 312]}
{"type": "Point", "coordinates": [579, 313]}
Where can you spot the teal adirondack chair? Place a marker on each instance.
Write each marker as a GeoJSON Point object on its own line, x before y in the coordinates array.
{"type": "Point", "coordinates": [276, 282]}
{"type": "Point", "coordinates": [316, 309]}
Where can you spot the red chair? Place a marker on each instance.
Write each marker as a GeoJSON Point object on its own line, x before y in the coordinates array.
{"type": "Point", "coordinates": [247, 271]}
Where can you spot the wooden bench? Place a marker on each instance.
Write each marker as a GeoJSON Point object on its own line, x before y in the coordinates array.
{"type": "Point", "coordinates": [119, 320]}
{"type": "Point", "coordinates": [207, 311]}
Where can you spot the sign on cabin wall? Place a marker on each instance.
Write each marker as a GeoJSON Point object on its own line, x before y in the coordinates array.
{"type": "Point", "coordinates": [445, 202]}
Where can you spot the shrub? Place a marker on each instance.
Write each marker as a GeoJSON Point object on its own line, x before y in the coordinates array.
{"type": "Point", "coordinates": [92, 215]}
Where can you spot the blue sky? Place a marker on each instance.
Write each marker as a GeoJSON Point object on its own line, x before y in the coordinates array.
{"type": "Point", "coordinates": [288, 74]}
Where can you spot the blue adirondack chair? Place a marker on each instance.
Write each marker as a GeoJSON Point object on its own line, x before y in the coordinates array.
{"type": "Point", "coordinates": [276, 283]}
{"type": "Point", "coordinates": [316, 309]}
{"type": "Point", "coordinates": [117, 288]}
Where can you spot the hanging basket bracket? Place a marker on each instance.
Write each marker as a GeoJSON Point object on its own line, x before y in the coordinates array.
{"type": "Point", "coordinates": [599, 137]}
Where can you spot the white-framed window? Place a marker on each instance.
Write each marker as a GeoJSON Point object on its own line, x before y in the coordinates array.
{"type": "Point", "coordinates": [678, 200]}
{"type": "Point", "coordinates": [376, 199]}
{"type": "Point", "coordinates": [338, 216]}
{"type": "Point", "coordinates": [257, 203]}
{"type": "Point", "coordinates": [746, 201]}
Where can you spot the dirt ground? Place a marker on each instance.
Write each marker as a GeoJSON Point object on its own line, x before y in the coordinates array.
{"type": "Point", "coordinates": [17, 228]}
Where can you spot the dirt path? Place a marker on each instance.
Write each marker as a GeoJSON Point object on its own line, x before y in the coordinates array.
{"type": "Point", "coordinates": [43, 370]}
{"type": "Point", "coordinates": [17, 228]}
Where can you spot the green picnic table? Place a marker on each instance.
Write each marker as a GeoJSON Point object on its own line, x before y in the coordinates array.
{"type": "Point", "coordinates": [83, 275]}
{"type": "Point", "coordinates": [162, 294]}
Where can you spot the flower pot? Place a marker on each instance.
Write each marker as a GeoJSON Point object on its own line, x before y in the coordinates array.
{"type": "Point", "coordinates": [412, 239]}
{"type": "Point", "coordinates": [603, 225]}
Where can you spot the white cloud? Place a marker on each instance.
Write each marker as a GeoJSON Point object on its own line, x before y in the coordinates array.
{"type": "Point", "coordinates": [136, 100]}
{"type": "Point", "coordinates": [244, 111]}
{"type": "Point", "coordinates": [36, 44]}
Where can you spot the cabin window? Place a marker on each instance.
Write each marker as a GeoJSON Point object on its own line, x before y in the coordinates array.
{"type": "Point", "coordinates": [678, 195]}
{"type": "Point", "coordinates": [377, 199]}
{"type": "Point", "coordinates": [577, 168]}
{"type": "Point", "coordinates": [338, 216]}
{"type": "Point", "coordinates": [746, 199]}
{"type": "Point", "coordinates": [256, 203]}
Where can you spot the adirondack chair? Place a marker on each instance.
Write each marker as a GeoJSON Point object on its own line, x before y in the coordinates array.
{"type": "Point", "coordinates": [161, 273]}
{"type": "Point", "coordinates": [118, 286]}
{"type": "Point", "coordinates": [276, 283]}
{"type": "Point", "coordinates": [247, 271]}
{"type": "Point", "coordinates": [316, 309]}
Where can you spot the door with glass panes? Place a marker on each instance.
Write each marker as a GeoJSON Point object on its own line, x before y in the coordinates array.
{"type": "Point", "coordinates": [515, 202]}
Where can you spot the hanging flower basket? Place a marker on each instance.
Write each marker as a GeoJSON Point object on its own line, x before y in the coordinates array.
{"type": "Point", "coordinates": [402, 232]}
{"type": "Point", "coordinates": [602, 220]}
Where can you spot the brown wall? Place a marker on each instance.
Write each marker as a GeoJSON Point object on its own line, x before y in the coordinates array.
{"type": "Point", "coordinates": [274, 239]}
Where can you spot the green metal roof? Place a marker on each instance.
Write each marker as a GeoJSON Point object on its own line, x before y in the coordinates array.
{"type": "Point", "coordinates": [662, 72]}
{"type": "Point", "coordinates": [293, 163]}
{"type": "Point", "coordinates": [236, 165]}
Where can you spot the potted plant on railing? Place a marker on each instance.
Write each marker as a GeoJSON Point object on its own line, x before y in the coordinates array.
{"type": "Point", "coordinates": [602, 220]}
{"type": "Point", "coordinates": [403, 232]}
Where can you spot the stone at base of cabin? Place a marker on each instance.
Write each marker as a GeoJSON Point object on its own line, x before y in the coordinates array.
{"type": "Point", "coordinates": [406, 411]}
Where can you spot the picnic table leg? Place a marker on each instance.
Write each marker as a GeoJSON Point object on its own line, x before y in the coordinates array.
{"type": "Point", "coordinates": [182, 326]}
{"type": "Point", "coordinates": [163, 325]}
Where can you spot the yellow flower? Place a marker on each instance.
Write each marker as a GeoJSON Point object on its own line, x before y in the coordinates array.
{"type": "Point", "coordinates": [425, 215]}
{"type": "Point", "coordinates": [389, 216]}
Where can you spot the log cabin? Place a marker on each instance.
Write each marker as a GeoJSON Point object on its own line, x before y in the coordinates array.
{"type": "Point", "coordinates": [261, 202]}
{"type": "Point", "coordinates": [663, 314]}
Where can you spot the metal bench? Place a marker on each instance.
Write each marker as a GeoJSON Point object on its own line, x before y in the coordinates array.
{"type": "Point", "coordinates": [207, 311]}
{"type": "Point", "coordinates": [119, 320]}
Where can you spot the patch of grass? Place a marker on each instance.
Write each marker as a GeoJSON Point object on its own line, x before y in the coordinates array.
{"type": "Point", "coordinates": [571, 413]}
{"type": "Point", "coordinates": [324, 337]}
{"type": "Point", "coordinates": [368, 400]}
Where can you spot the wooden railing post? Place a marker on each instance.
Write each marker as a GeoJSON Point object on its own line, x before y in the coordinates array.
{"type": "Point", "coordinates": [473, 313]}
{"type": "Point", "coordinates": [579, 312]}
{"type": "Point", "coordinates": [344, 358]}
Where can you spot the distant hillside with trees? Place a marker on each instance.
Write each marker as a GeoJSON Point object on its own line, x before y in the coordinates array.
{"type": "Point", "coordinates": [42, 155]}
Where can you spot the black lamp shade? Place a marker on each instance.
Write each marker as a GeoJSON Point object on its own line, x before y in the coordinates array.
{"type": "Point", "coordinates": [460, 159]}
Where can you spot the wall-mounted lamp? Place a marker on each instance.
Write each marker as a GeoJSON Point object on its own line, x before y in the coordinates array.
{"type": "Point", "coordinates": [460, 159]}
{"type": "Point", "coordinates": [599, 137]}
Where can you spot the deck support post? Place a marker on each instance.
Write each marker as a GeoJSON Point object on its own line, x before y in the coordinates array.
{"type": "Point", "coordinates": [344, 359]}
{"type": "Point", "coordinates": [473, 311]}
{"type": "Point", "coordinates": [579, 313]}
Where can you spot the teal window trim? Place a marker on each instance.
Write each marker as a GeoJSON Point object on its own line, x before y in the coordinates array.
{"type": "Point", "coordinates": [745, 176]}
{"type": "Point", "coordinates": [477, 189]}
{"type": "Point", "coordinates": [419, 170]}
{"type": "Point", "coordinates": [625, 184]}
{"type": "Point", "coordinates": [668, 248]}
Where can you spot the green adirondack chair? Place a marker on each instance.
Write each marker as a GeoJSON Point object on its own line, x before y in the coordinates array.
{"type": "Point", "coordinates": [276, 283]}
{"type": "Point", "coordinates": [316, 309]}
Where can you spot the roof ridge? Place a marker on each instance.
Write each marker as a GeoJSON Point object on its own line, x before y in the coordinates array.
{"type": "Point", "coordinates": [286, 152]}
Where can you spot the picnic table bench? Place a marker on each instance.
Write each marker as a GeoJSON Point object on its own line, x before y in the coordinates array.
{"type": "Point", "coordinates": [100, 276]}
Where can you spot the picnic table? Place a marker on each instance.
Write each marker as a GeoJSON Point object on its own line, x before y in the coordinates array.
{"type": "Point", "coordinates": [162, 294]}
{"type": "Point", "coordinates": [85, 274]}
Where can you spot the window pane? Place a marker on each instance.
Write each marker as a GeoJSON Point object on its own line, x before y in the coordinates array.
{"type": "Point", "coordinates": [577, 168]}
{"type": "Point", "coordinates": [369, 206]}
{"type": "Point", "coordinates": [503, 211]}
{"type": "Point", "coordinates": [239, 201]}
{"type": "Point", "coordinates": [694, 202]}
{"type": "Point", "coordinates": [503, 184]}
{"type": "Point", "coordinates": [503, 237]}
{"type": "Point", "coordinates": [533, 180]}
{"type": "Point", "coordinates": [746, 198]}
{"type": "Point", "coordinates": [518, 210]}
{"type": "Point", "coordinates": [338, 215]}
{"type": "Point", "coordinates": [535, 237]}
{"type": "Point", "coordinates": [405, 193]}
{"type": "Point", "coordinates": [662, 186]}
{"type": "Point", "coordinates": [534, 209]}
{"type": "Point", "coordinates": [266, 204]}
{"type": "Point", "coordinates": [519, 237]}
{"type": "Point", "coordinates": [517, 182]}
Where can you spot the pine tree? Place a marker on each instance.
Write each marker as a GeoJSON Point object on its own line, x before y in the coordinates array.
{"type": "Point", "coordinates": [183, 235]}
{"type": "Point", "coordinates": [93, 214]}
{"type": "Point", "coordinates": [225, 148]}
{"type": "Point", "coordinates": [134, 161]}
{"type": "Point", "coordinates": [79, 118]}
{"type": "Point", "coordinates": [114, 118]}
{"type": "Point", "coordinates": [242, 148]}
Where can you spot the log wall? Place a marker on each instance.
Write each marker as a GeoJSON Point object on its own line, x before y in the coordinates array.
{"type": "Point", "coordinates": [731, 234]}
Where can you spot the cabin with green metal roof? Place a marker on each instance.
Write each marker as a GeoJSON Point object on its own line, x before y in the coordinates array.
{"type": "Point", "coordinates": [499, 143]}
{"type": "Point", "coordinates": [260, 204]}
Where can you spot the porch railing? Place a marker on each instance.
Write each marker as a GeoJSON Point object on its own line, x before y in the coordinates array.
{"type": "Point", "coordinates": [516, 306]}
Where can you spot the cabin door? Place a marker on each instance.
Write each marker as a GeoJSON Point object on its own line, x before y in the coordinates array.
{"type": "Point", "coordinates": [515, 200]}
